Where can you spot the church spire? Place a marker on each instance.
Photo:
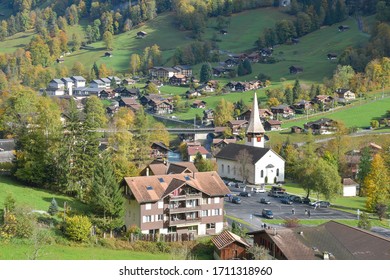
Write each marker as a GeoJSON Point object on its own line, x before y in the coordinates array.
{"type": "Point", "coordinates": [255, 130]}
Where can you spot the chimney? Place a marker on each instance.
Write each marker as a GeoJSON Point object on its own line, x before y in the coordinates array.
{"type": "Point", "coordinates": [147, 171]}
{"type": "Point", "coordinates": [274, 231]}
{"type": "Point", "coordinates": [326, 255]}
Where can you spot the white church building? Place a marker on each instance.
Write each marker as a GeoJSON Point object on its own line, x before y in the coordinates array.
{"type": "Point", "coordinates": [251, 162]}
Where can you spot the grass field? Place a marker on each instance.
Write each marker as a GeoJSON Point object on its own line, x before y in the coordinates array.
{"type": "Point", "coordinates": [14, 251]}
{"type": "Point", "coordinates": [35, 199]}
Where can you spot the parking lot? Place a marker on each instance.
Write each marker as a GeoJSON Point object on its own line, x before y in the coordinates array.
{"type": "Point", "coordinates": [250, 209]}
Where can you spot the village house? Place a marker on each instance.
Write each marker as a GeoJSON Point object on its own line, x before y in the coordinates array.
{"type": "Point", "coordinates": [178, 79]}
{"type": "Point", "coordinates": [237, 125]}
{"type": "Point", "coordinates": [161, 107]}
{"type": "Point", "coordinates": [296, 129]}
{"type": "Point", "coordinates": [192, 93]}
{"type": "Point", "coordinates": [78, 81]}
{"type": "Point", "coordinates": [175, 203]}
{"type": "Point", "coordinates": [141, 34]}
{"type": "Point", "coordinates": [56, 87]}
{"type": "Point", "coordinates": [303, 106]}
{"type": "Point", "coordinates": [264, 114]}
{"type": "Point", "coordinates": [159, 72]}
{"type": "Point", "coordinates": [116, 79]}
{"type": "Point", "coordinates": [329, 241]}
{"type": "Point", "coordinates": [145, 99]}
{"type": "Point", "coordinates": [206, 87]}
{"type": "Point", "coordinates": [159, 150]}
{"type": "Point", "coordinates": [229, 246]}
{"type": "Point", "coordinates": [97, 84]}
{"type": "Point", "coordinates": [69, 84]}
{"type": "Point", "coordinates": [199, 104]}
{"type": "Point", "coordinates": [125, 92]}
{"type": "Point", "coordinates": [332, 56]}
{"type": "Point", "coordinates": [128, 81]}
{"type": "Point", "coordinates": [185, 70]}
{"type": "Point", "coordinates": [107, 94]}
{"type": "Point", "coordinates": [264, 166]}
{"type": "Point", "coordinates": [350, 187]}
{"type": "Point", "coordinates": [221, 143]}
{"type": "Point", "coordinates": [345, 95]}
{"type": "Point", "coordinates": [254, 57]}
{"type": "Point", "coordinates": [325, 100]}
{"type": "Point", "coordinates": [219, 71]}
{"type": "Point", "coordinates": [295, 69]}
{"type": "Point", "coordinates": [230, 62]}
{"type": "Point", "coordinates": [208, 116]}
{"type": "Point", "coordinates": [192, 151]}
{"type": "Point", "coordinates": [282, 110]}
{"type": "Point", "coordinates": [266, 52]}
{"type": "Point", "coordinates": [107, 82]}
{"type": "Point", "coordinates": [321, 126]}
{"type": "Point", "coordinates": [271, 125]}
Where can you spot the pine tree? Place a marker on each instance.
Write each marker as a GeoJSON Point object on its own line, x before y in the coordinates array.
{"type": "Point", "coordinates": [205, 73]}
{"type": "Point", "coordinates": [53, 208]}
{"type": "Point", "coordinates": [296, 90]}
{"type": "Point", "coordinates": [106, 195]}
{"type": "Point", "coordinates": [288, 95]}
{"type": "Point", "coordinates": [247, 66]}
{"type": "Point", "coordinates": [364, 168]}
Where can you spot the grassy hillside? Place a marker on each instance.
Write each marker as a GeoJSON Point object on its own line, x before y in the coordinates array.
{"type": "Point", "coordinates": [35, 199]}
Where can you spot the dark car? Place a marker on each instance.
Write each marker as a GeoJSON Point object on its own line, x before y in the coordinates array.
{"type": "Point", "coordinates": [265, 201]}
{"type": "Point", "coordinates": [266, 213]}
{"type": "Point", "coordinates": [296, 199]}
{"type": "Point", "coordinates": [236, 200]}
{"type": "Point", "coordinates": [286, 200]}
{"type": "Point", "coordinates": [245, 194]}
{"type": "Point", "coordinates": [306, 200]}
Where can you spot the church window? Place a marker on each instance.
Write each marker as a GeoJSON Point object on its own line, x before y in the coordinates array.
{"type": "Point", "coordinates": [262, 173]}
{"type": "Point", "coordinates": [223, 168]}
{"type": "Point", "coordinates": [277, 172]}
{"type": "Point", "coordinates": [228, 169]}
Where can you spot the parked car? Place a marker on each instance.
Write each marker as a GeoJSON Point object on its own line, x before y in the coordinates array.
{"type": "Point", "coordinates": [296, 199]}
{"type": "Point", "coordinates": [259, 190]}
{"type": "Point", "coordinates": [265, 201]}
{"type": "Point", "coordinates": [277, 193]}
{"type": "Point", "coordinates": [286, 200]}
{"type": "Point", "coordinates": [236, 200]}
{"type": "Point", "coordinates": [266, 213]}
{"type": "Point", "coordinates": [245, 194]}
{"type": "Point", "coordinates": [320, 204]}
{"type": "Point", "coordinates": [306, 200]}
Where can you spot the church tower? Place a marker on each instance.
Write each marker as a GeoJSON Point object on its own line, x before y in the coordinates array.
{"type": "Point", "coordinates": [255, 130]}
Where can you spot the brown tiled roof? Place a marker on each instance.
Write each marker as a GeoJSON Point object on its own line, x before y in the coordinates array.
{"type": "Point", "coordinates": [349, 182]}
{"type": "Point", "coordinates": [181, 167]}
{"type": "Point", "coordinates": [158, 169]}
{"type": "Point", "coordinates": [153, 188]}
{"type": "Point", "coordinates": [287, 241]}
{"type": "Point", "coordinates": [198, 149]}
{"type": "Point", "coordinates": [274, 122]}
{"type": "Point", "coordinates": [226, 238]}
{"type": "Point", "coordinates": [238, 122]}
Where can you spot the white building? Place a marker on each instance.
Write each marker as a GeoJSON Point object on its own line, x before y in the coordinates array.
{"type": "Point", "coordinates": [251, 162]}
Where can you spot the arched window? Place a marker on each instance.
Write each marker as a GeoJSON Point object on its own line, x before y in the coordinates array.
{"type": "Point", "coordinates": [262, 173]}
{"type": "Point", "coordinates": [277, 172]}
{"type": "Point", "coordinates": [234, 171]}
{"type": "Point", "coordinates": [223, 168]}
{"type": "Point", "coordinates": [228, 169]}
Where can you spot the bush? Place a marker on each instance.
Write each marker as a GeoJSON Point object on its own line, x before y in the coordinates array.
{"type": "Point", "coordinates": [77, 228]}
{"type": "Point", "coordinates": [53, 208]}
{"type": "Point", "coordinates": [291, 223]}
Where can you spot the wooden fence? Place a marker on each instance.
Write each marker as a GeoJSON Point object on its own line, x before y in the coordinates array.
{"type": "Point", "coordinates": [170, 237]}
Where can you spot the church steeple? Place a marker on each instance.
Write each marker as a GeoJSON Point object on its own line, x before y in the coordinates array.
{"type": "Point", "coordinates": [255, 130]}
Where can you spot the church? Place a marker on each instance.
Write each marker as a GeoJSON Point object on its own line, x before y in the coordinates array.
{"type": "Point", "coordinates": [251, 162]}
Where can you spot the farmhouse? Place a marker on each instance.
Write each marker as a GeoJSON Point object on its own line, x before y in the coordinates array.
{"type": "Point", "coordinates": [208, 116]}
{"type": "Point", "coordinates": [128, 81]}
{"type": "Point", "coordinates": [194, 150]}
{"type": "Point", "coordinates": [324, 99]}
{"type": "Point", "coordinates": [221, 143]}
{"type": "Point", "coordinates": [283, 110]}
{"type": "Point", "coordinates": [237, 125]}
{"type": "Point", "coordinates": [178, 79]}
{"type": "Point", "coordinates": [264, 114]}
{"type": "Point", "coordinates": [159, 150]}
{"type": "Point", "coordinates": [321, 126]}
{"type": "Point", "coordinates": [175, 203]}
{"type": "Point", "coordinates": [331, 240]}
{"type": "Point", "coordinates": [271, 125]}
{"type": "Point", "coordinates": [304, 105]}
{"type": "Point", "coordinates": [345, 95]}
{"type": "Point", "coordinates": [56, 87]}
{"type": "Point", "coordinates": [263, 165]}
{"type": "Point", "coordinates": [160, 72]}
{"type": "Point", "coordinates": [296, 129]}
{"type": "Point", "coordinates": [161, 106]}
{"type": "Point", "coordinates": [185, 70]}
{"type": "Point", "coordinates": [229, 246]}
{"type": "Point", "coordinates": [78, 81]}
{"type": "Point", "coordinates": [192, 93]}
{"type": "Point", "coordinates": [199, 104]}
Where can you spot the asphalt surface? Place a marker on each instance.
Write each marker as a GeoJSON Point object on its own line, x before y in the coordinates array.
{"type": "Point", "coordinates": [250, 210]}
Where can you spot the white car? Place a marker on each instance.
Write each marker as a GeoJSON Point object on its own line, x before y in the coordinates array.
{"type": "Point", "coordinates": [259, 190]}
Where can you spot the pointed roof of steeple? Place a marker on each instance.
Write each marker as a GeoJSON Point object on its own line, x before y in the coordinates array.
{"type": "Point", "coordinates": [255, 126]}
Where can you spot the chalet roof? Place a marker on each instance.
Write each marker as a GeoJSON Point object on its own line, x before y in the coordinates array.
{"type": "Point", "coordinates": [78, 78]}
{"type": "Point", "coordinates": [226, 238]}
{"type": "Point", "coordinates": [349, 182]}
{"type": "Point", "coordinates": [231, 151]}
{"type": "Point", "coordinates": [181, 167]}
{"type": "Point", "coordinates": [67, 79]}
{"type": "Point", "coordinates": [238, 122]}
{"type": "Point", "coordinates": [319, 121]}
{"type": "Point", "coordinates": [183, 67]}
{"type": "Point", "coordinates": [197, 149]}
{"type": "Point", "coordinates": [274, 122]}
{"type": "Point", "coordinates": [99, 82]}
{"type": "Point", "coordinates": [129, 100]}
{"type": "Point", "coordinates": [106, 80]}
{"type": "Point", "coordinates": [255, 126]}
{"type": "Point", "coordinates": [142, 33]}
{"type": "Point", "coordinates": [153, 188]}
{"type": "Point", "coordinates": [114, 77]}
{"type": "Point", "coordinates": [58, 81]}
{"type": "Point", "coordinates": [227, 141]}
{"type": "Point", "coordinates": [287, 241]}
{"type": "Point", "coordinates": [179, 76]}
{"type": "Point", "coordinates": [168, 69]}
{"type": "Point", "coordinates": [342, 90]}
{"type": "Point", "coordinates": [281, 107]}
{"type": "Point", "coordinates": [161, 145]}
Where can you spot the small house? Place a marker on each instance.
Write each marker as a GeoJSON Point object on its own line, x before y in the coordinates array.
{"type": "Point", "coordinates": [178, 79]}
{"type": "Point", "coordinates": [321, 126]}
{"type": "Point", "coordinates": [271, 125]}
{"type": "Point", "coordinates": [230, 62]}
{"type": "Point", "coordinates": [350, 187]}
{"type": "Point", "coordinates": [107, 54]}
{"type": "Point", "coordinates": [296, 129]}
{"type": "Point", "coordinates": [343, 28]}
{"type": "Point", "coordinates": [284, 110]}
{"type": "Point", "coordinates": [237, 125]}
{"type": "Point", "coordinates": [208, 116]}
{"type": "Point", "coordinates": [141, 34]}
{"type": "Point", "coordinates": [332, 56]}
{"type": "Point", "coordinates": [194, 150]}
{"type": "Point", "coordinates": [159, 150]}
{"type": "Point", "coordinates": [199, 104]}
{"type": "Point", "coordinates": [192, 93]}
{"type": "Point", "coordinates": [97, 84]}
{"type": "Point", "coordinates": [345, 95]}
{"type": "Point", "coordinates": [128, 81]}
{"type": "Point", "coordinates": [185, 70]}
{"type": "Point", "coordinates": [79, 81]}
{"type": "Point", "coordinates": [229, 246]}
{"type": "Point", "coordinates": [295, 69]}
{"type": "Point", "coordinates": [265, 52]}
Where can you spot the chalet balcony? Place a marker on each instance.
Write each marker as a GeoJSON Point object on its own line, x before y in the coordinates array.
{"type": "Point", "coordinates": [185, 197]}
{"type": "Point", "coordinates": [183, 209]}
{"type": "Point", "coordinates": [184, 222]}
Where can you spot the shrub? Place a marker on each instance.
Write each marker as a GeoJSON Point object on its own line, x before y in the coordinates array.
{"type": "Point", "coordinates": [291, 223]}
{"type": "Point", "coordinates": [77, 228]}
{"type": "Point", "coordinates": [53, 208]}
